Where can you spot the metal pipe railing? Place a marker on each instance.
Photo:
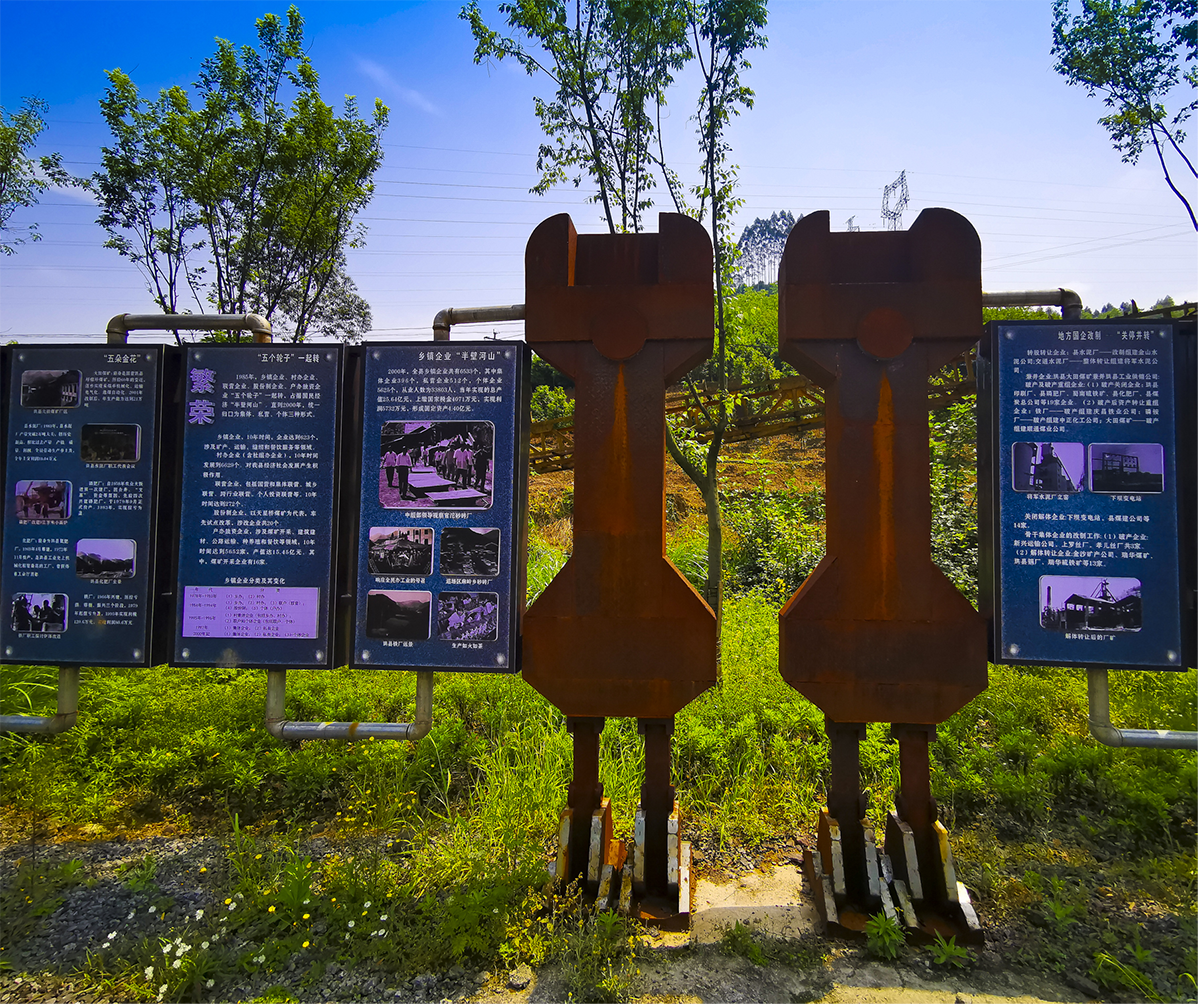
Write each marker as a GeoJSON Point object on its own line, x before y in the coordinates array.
{"type": "Point", "coordinates": [62, 720]}
{"type": "Point", "coordinates": [120, 325]}
{"type": "Point", "coordinates": [286, 729]}
{"type": "Point", "coordinates": [464, 315]}
{"type": "Point", "coordinates": [1100, 723]}
{"type": "Point", "coordinates": [1068, 300]}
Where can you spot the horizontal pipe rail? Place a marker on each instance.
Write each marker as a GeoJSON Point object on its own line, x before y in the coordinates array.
{"type": "Point", "coordinates": [1068, 300]}
{"type": "Point", "coordinates": [1103, 730]}
{"type": "Point", "coordinates": [120, 325]}
{"type": "Point", "coordinates": [286, 729]}
{"type": "Point", "coordinates": [466, 315]}
{"type": "Point", "coordinates": [62, 720]}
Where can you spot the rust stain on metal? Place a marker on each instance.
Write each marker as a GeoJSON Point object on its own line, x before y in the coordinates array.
{"type": "Point", "coordinates": [877, 633]}
{"type": "Point", "coordinates": [885, 458]}
{"type": "Point", "coordinates": [619, 631]}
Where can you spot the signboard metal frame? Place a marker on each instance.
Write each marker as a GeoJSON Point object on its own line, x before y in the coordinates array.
{"type": "Point", "coordinates": [352, 569]}
{"type": "Point", "coordinates": [147, 446]}
{"type": "Point", "coordinates": [168, 636]}
{"type": "Point", "coordinates": [996, 442]}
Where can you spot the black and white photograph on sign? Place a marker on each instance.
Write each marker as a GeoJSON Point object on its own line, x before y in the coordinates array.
{"type": "Point", "coordinates": [101, 443]}
{"type": "Point", "coordinates": [41, 613]}
{"type": "Point", "coordinates": [51, 388]}
{"type": "Point", "coordinates": [402, 615]}
{"type": "Point", "coordinates": [442, 464]}
{"type": "Point", "coordinates": [470, 551]}
{"type": "Point", "coordinates": [105, 558]}
{"type": "Point", "coordinates": [468, 617]}
{"type": "Point", "coordinates": [400, 551]}
{"type": "Point", "coordinates": [43, 501]}
{"type": "Point", "coordinates": [1126, 467]}
{"type": "Point", "coordinates": [1048, 467]}
{"type": "Point", "coordinates": [1090, 603]}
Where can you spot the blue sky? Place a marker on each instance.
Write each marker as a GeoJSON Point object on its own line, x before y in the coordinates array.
{"type": "Point", "coordinates": [960, 95]}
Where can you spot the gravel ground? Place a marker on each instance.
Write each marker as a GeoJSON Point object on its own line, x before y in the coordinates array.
{"type": "Point", "coordinates": [101, 904]}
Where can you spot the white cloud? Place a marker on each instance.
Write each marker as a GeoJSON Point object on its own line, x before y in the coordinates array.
{"type": "Point", "coordinates": [394, 89]}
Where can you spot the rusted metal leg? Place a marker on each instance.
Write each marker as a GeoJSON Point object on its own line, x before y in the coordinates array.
{"type": "Point", "coordinates": [915, 802]}
{"type": "Point", "coordinates": [585, 791]}
{"type": "Point", "coordinates": [847, 801]}
{"type": "Point", "coordinates": [658, 798]}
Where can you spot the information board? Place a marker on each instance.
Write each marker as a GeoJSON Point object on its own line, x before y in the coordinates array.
{"type": "Point", "coordinates": [257, 505]}
{"type": "Point", "coordinates": [1086, 529]}
{"type": "Point", "coordinates": [438, 577]}
{"type": "Point", "coordinates": [79, 491]}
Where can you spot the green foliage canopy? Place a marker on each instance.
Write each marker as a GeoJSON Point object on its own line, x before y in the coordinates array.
{"type": "Point", "coordinates": [611, 63]}
{"type": "Point", "coordinates": [246, 202]}
{"type": "Point", "coordinates": [22, 178]}
{"type": "Point", "coordinates": [1133, 54]}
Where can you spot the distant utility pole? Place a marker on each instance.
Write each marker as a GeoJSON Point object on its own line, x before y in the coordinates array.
{"type": "Point", "coordinates": [895, 198]}
{"type": "Point", "coordinates": [850, 225]}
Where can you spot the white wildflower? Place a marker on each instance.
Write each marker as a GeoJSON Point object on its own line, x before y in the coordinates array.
{"type": "Point", "coordinates": [149, 973]}
{"type": "Point", "coordinates": [112, 935]}
{"type": "Point", "coordinates": [199, 913]}
{"type": "Point", "coordinates": [204, 944]}
{"type": "Point", "coordinates": [349, 924]}
{"type": "Point", "coordinates": [209, 983]}
{"type": "Point", "coordinates": [383, 917]}
{"type": "Point", "coordinates": [175, 965]}
{"type": "Point", "coordinates": [367, 904]}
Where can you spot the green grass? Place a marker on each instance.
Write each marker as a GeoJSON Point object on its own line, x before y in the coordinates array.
{"type": "Point", "coordinates": [443, 843]}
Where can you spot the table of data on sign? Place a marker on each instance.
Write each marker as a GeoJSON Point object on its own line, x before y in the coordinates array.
{"type": "Point", "coordinates": [257, 509]}
{"type": "Point", "coordinates": [1088, 550]}
{"type": "Point", "coordinates": [438, 508]}
{"type": "Point", "coordinates": [78, 504]}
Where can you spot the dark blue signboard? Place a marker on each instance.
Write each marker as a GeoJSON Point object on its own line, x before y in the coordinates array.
{"type": "Point", "coordinates": [79, 491]}
{"type": "Point", "coordinates": [257, 508]}
{"type": "Point", "coordinates": [439, 578]}
{"type": "Point", "coordinates": [1085, 495]}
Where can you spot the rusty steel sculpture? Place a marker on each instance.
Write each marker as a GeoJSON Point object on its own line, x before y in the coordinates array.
{"type": "Point", "coordinates": [619, 631]}
{"type": "Point", "coordinates": [877, 633]}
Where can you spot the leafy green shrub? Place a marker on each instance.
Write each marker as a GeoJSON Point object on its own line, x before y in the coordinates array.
{"type": "Point", "coordinates": [544, 562]}
{"type": "Point", "coordinates": [600, 961]}
{"type": "Point", "coordinates": [738, 940]}
{"type": "Point", "coordinates": [777, 543]}
{"type": "Point", "coordinates": [954, 525]}
{"type": "Point", "coordinates": [884, 936]}
{"type": "Point", "coordinates": [946, 953]}
{"type": "Point", "coordinates": [550, 403]}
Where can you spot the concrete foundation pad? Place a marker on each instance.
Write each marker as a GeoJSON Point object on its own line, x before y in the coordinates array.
{"type": "Point", "coordinates": [774, 904]}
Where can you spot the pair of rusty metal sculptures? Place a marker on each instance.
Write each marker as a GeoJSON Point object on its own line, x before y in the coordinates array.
{"type": "Point", "coordinates": [877, 633]}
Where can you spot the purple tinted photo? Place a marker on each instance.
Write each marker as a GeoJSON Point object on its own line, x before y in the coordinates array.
{"type": "Point", "coordinates": [1126, 467]}
{"type": "Point", "coordinates": [1090, 603]}
{"type": "Point", "coordinates": [251, 612]}
{"type": "Point", "coordinates": [1047, 467]}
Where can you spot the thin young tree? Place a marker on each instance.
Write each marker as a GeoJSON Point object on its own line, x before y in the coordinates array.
{"type": "Point", "coordinates": [246, 202]}
{"type": "Point", "coordinates": [24, 178]}
{"type": "Point", "coordinates": [723, 34]}
{"type": "Point", "coordinates": [1134, 54]}
{"type": "Point", "coordinates": [610, 62]}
